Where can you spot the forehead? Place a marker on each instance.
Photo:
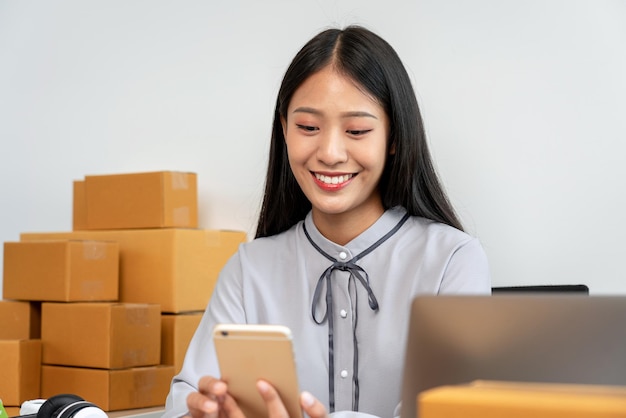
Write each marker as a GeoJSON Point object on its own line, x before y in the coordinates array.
{"type": "Point", "coordinates": [329, 88]}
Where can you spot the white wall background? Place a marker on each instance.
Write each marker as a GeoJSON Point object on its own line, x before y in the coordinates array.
{"type": "Point", "coordinates": [524, 104]}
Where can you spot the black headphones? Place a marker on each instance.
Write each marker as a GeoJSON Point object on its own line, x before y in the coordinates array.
{"type": "Point", "coordinates": [69, 406]}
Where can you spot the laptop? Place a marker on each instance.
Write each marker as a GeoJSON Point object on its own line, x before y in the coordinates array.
{"type": "Point", "coordinates": [524, 337]}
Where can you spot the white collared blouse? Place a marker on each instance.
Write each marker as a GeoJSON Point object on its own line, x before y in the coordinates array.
{"type": "Point", "coordinates": [273, 280]}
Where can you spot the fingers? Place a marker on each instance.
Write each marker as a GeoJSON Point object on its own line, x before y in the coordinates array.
{"type": "Point", "coordinates": [275, 406]}
{"type": "Point", "coordinates": [212, 387]}
{"type": "Point", "coordinates": [206, 402]}
{"type": "Point", "coordinates": [213, 401]}
{"type": "Point", "coordinates": [229, 408]}
{"type": "Point", "coordinates": [312, 406]}
{"type": "Point", "coordinates": [200, 406]}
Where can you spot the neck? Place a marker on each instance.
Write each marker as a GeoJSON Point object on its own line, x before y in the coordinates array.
{"type": "Point", "coordinates": [344, 227]}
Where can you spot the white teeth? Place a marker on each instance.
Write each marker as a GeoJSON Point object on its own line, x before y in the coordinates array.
{"type": "Point", "coordinates": [333, 179]}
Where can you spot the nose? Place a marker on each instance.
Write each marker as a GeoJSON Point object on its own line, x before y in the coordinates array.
{"type": "Point", "coordinates": [331, 149]}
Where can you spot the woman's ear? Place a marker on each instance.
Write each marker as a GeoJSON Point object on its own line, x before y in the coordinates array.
{"type": "Point", "coordinates": [392, 148]}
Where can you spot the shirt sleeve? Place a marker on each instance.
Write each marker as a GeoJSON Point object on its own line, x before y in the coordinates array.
{"type": "Point", "coordinates": [467, 271]}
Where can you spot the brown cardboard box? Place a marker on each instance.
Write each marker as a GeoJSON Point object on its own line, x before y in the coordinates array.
{"type": "Point", "coordinates": [99, 334]}
{"type": "Point", "coordinates": [175, 268]}
{"type": "Point", "coordinates": [176, 333]}
{"type": "Point", "coordinates": [483, 399]}
{"type": "Point", "coordinates": [79, 210]}
{"type": "Point", "coordinates": [12, 411]}
{"type": "Point", "coordinates": [20, 320]}
{"type": "Point", "coordinates": [20, 371]}
{"type": "Point", "coordinates": [111, 390]}
{"type": "Point", "coordinates": [62, 271]}
{"type": "Point", "coordinates": [164, 199]}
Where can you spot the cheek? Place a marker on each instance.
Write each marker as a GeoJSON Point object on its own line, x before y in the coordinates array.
{"type": "Point", "coordinates": [296, 161]}
{"type": "Point", "coordinates": [297, 151]}
{"type": "Point", "coordinates": [374, 157]}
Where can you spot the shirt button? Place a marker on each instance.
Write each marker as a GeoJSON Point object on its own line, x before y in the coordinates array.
{"type": "Point", "coordinates": [344, 374]}
{"type": "Point", "coordinates": [343, 255]}
{"type": "Point", "coordinates": [343, 313]}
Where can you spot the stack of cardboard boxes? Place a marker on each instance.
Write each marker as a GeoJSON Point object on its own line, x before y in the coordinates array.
{"type": "Point", "coordinates": [20, 353]}
{"type": "Point", "coordinates": [119, 297]}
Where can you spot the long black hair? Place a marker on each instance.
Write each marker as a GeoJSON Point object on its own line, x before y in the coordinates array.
{"type": "Point", "coordinates": [409, 178]}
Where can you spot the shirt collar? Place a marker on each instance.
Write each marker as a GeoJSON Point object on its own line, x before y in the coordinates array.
{"type": "Point", "coordinates": [360, 243]}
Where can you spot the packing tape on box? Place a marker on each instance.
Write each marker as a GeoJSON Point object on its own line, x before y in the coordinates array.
{"type": "Point", "coordinates": [94, 250]}
{"type": "Point", "coordinates": [213, 238]}
{"type": "Point", "coordinates": [135, 356]}
{"type": "Point", "coordinates": [180, 181]}
{"type": "Point", "coordinates": [92, 287]}
{"type": "Point", "coordinates": [143, 385]}
{"type": "Point", "coordinates": [138, 314]}
{"type": "Point", "coordinates": [181, 216]}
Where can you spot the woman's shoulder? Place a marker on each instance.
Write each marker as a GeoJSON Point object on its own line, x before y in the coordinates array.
{"type": "Point", "coordinates": [433, 230]}
{"type": "Point", "coordinates": [273, 243]}
{"type": "Point", "coordinates": [442, 241]}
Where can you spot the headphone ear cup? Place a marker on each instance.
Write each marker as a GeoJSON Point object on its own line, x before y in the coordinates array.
{"type": "Point", "coordinates": [53, 405]}
{"type": "Point", "coordinates": [81, 409]}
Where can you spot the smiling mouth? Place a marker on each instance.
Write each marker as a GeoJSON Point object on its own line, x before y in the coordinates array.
{"type": "Point", "coordinates": [332, 180]}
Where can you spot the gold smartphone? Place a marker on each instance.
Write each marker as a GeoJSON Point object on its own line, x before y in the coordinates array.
{"type": "Point", "coordinates": [249, 352]}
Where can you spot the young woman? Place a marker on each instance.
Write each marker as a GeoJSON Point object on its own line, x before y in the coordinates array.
{"type": "Point", "coordinates": [354, 224]}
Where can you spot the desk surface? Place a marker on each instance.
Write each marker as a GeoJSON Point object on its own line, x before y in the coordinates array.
{"type": "Point", "coordinates": [154, 412]}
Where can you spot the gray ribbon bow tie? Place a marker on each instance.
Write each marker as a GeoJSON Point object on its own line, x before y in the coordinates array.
{"type": "Point", "coordinates": [361, 275]}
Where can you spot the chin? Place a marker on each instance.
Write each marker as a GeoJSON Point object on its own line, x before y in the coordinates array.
{"type": "Point", "coordinates": [331, 209]}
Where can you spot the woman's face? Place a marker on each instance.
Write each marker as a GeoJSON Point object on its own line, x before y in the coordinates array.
{"type": "Point", "coordinates": [336, 138]}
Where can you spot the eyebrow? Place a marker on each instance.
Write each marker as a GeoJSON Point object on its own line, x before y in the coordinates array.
{"type": "Point", "coordinates": [351, 114]}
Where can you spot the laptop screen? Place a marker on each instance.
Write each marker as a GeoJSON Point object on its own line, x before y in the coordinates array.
{"type": "Point", "coordinates": [526, 338]}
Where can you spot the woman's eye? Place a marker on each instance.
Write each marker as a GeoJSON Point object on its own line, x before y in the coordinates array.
{"type": "Point", "coordinates": [307, 128]}
{"type": "Point", "coordinates": [358, 132]}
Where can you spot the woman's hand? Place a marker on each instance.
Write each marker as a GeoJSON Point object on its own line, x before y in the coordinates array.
{"type": "Point", "coordinates": [276, 408]}
{"type": "Point", "coordinates": [212, 401]}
